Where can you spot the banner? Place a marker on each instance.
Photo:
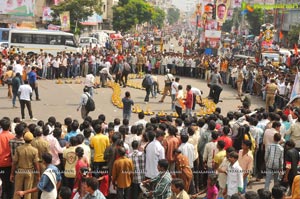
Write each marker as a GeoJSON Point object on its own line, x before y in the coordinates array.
{"type": "Point", "coordinates": [221, 12]}
{"type": "Point", "coordinates": [65, 21]}
{"type": "Point", "coordinates": [92, 20]}
{"type": "Point", "coordinates": [17, 7]}
{"type": "Point", "coordinates": [211, 25]}
{"type": "Point", "coordinates": [236, 3]}
{"type": "Point", "coordinates": [296, 88]}
{"type": "Point", "coordinates": [213, 42]}
{"type": "Point", "coordinates": [229, 14]}
{"type": "Point", "coordinates": [47, 14]}
{"type": "Point", "coordinates": [213, 34]}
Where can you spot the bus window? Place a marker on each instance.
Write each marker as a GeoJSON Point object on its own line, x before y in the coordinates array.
{"type": "Point", "coordinates": [54, 39]}
{"type": "Point", "coordinates": [39, 39]}
{"type": "Point", "coordinates": [21, 38]}
{"type": "Point", "coordinates": [69, 41]}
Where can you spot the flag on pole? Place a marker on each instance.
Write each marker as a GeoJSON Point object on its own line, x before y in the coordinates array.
{"type": "Point", "coordinates": [296, 49]}
{"type": "Point", "coordinates": [65, 21]}
{"type": "Point", "coordinates": [296, 88]}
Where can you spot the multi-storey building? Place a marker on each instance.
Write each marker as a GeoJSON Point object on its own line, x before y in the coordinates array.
{"type": "Point", "coordinates": [32, 15]}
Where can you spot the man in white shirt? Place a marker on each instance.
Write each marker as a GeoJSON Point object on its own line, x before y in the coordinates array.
{"type": "Point", "coordinates": [18, 68]}
{"type": "Point", "coordinates": [25, 92]}
{"type": "Point", "coordinates": [187, 149]}
{"type": "Point", "coordinates": [90, 82]}
{"type": "Point", "coordinates": [154, 152]}
{"type": "Point", "coordinates": [269, 134]}
{"type": "Point", "coordinates": [174, 90]}
{"type": "Point", "coordinates": [234, 183]}
{"type": "Point", "coordinates": [104, 74]}
{"type": "Point", "coordinates": [196, 92]}
{"type": "Point", "coordinates": [169, 78]}
{"type": "Point", "coordinates": [141, 120]}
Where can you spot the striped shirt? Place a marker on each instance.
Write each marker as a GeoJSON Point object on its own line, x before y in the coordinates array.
{"type": "Point", "coordinates": [138, 159]}
{"type": "Point", "coordinates": [14, 143]}
{"type": "Point", "coordinates": [274, 156]}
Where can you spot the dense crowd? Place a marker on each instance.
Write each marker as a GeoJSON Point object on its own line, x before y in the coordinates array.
{"type": "Point", "coordinates": [217, 154]}
{"type": "Point", "coordinates": [221, 153]}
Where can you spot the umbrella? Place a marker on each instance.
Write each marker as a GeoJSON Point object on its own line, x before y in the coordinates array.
{"type": "Point", "coordinates": [116, 36]}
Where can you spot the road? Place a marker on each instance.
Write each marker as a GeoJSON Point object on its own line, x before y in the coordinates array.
{"type": "Point", "coordinates": [61, 100]}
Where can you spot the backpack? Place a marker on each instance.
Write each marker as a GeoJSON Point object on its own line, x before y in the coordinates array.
{"type": "Point", "coordinates": [90, 104]}
{"type": "Point", "coordinates": [147, 82]}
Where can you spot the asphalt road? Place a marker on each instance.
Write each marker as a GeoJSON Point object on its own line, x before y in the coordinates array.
{"type": "Point", "coordinates": [61, 100]}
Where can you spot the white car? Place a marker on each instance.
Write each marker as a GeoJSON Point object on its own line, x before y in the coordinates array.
{"type": "Point", "coordinates": [88, 41]}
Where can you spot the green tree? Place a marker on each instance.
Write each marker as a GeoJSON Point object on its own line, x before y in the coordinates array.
{"type": "Point", "coordinates": [233, 22]}
{"type": "Point", "coordinates": [79, 10]}
{"type": "Point", "coordinates": [226, 27]}
{"type": "Point", "coordinates": [173, 15]}
{"type": "Point", "coordinates": [126, 16]}
{"type": "Point", "coordinates": [293, 36]}
{"type": "Point", "coordinates": [255, 20]}
{"type": "Point", "coordinates": [158, 17]}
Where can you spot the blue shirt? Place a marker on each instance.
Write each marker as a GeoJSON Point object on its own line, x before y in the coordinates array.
{"type": "Point", "coordinates": [45, 183]}
{"type": "Point", "coordinates": [96, 195]}
{"type": "Point", "coordinates": [69, 135]}
{"type": "Point", "coordinates": [31, 77]}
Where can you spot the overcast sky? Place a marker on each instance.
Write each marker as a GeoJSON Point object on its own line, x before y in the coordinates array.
{"type": "Point", "coordinates": [181, 4]}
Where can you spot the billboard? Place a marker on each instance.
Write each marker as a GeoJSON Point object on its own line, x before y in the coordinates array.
{"type": "Point", "coordinates": [47, 14]}
{"type": "Point", "coordinates": [17, 7]}
{"type": "Point", "coordinates": [221, 10]}
{"type": "Point", "coordinates": [65, 21]}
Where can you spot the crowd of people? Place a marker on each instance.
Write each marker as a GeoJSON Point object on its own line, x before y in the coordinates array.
{"type": "Point", "coordinates": [161, 158]}
{"type": "Point", "coordinates": [245, 75]}
{"type": "Point", "coordinates": [217, 154]}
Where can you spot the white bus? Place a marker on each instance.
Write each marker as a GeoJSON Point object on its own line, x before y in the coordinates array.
{"type": "Point", "coordinates": [32, 41]}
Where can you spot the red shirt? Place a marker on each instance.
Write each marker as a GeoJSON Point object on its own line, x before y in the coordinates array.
{"type": "Point", "coordinates": [5, 157]}
{"type": "Point", "coordinates": [189, 100]}
{"type": "Point", "coordinates": [104, 185]}
{"type": "Point", "coordinates": [227, 140]}
{"type": "Point", "coordinates": [78, 166]}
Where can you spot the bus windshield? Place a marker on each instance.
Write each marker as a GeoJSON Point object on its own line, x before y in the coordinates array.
{"type": "Point", "coordinates": [4, 32]}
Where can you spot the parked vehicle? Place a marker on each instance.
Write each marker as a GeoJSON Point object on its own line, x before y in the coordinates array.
{"type": "Point", "coordinates": [88, 42]}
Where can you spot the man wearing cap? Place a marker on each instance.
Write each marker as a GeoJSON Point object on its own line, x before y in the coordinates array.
{"type": "Point", "coordinates": [50, 180]}
{"type": "Point", "coordinates": [43, 147]}
{"type": "Point", "coordinates": [25, 164]}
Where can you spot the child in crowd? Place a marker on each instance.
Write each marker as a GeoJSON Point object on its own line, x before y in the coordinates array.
{"type": "Point", "coordinates": [211, 190]}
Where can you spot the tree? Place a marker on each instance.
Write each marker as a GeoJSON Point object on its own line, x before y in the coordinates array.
{"type": "Point", "coordinates": [234, 22]}
{"type": "Point", "coordinates": [173, 15]}
{"type": "Point", "coordinates": [158, 17]}
{"type": "Point", "coordinates": [293, 36]}
{"type": "Point", "coordinates": [79, 10]}
{"type": "Point", "coordinates": [127, 15]}
{"type": "Point", "coordinates": [226, 27]}
{"type": "Point", "coordinates": [255, 20]}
